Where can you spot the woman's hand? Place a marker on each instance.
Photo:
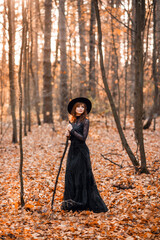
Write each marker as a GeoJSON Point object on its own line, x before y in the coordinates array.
{"type": "Point", "coordinates": [69, 127]}
{"type": "Point", "coordinates": [67, 134]}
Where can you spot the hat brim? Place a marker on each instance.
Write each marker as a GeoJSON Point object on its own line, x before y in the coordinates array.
{"type": "Point", "coordinates": [82, 100]}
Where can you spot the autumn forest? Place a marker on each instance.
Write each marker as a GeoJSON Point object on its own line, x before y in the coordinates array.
{"type": "Point", "coordinates": [52, 51]}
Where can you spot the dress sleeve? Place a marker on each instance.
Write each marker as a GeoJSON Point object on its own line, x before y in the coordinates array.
{"type": "Point", "coordinates": [85, 131]}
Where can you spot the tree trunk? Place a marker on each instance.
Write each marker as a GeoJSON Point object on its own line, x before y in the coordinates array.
{"type": "Point", "coordinates": [82, 77]}
{"type": "Point", "coordinates": [11, 22]}
{"type": "Point", "coordinates": [28, 61]}
{"type": "Point", "coordinates": [158, 50]}
{"type": "Point", "coordinates": [56, 57]}
{"type": "Point", "coordinates": [38, 13]}
{"type": "Point", "coordinates": [28, 90]}
{"type": "Point", "coordinates": [3, 67]}
{"type": "Point", "coordinates": [63, 62]}
{"type": "Point", "coordinates": [47, 77]}
{"type": "Point", "coordinates": [25, 72]}
{"type": "Point", "coordinates": [35, 64]}
{"type": "Point", "coordinates": [132, 68]}
{"type": "Point", "coordinates": [138, 106]}
{"type": "Point", "coordinates": [115, 65]}
{"type": "Point", "coordinates": [92, 80]}
{"type": "Point", "coordinates": [126, 74]}
{"type": "Point", "coordinates": [154, 108]}
{"type": "Point", "coordinates": [70, 68]}
{"type": "Point", "coordinates": [20, 106]}
{"type": "Point", "coordinates": [123, 139]}
{"type": "Point", "coordinates": [154, 65]}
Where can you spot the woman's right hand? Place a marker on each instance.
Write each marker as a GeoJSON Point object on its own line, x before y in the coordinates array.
{"type": "Point", "coordinates": [69, 127]}
{"type": "Point", "coordinates": [67, 134]}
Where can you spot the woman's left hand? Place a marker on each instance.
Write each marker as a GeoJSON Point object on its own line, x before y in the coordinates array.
{"type": "Point", "coordinates": [69, 127]}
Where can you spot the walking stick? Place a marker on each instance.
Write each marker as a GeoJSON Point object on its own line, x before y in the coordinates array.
{"type": "Point", "coordinates": [59, 173]}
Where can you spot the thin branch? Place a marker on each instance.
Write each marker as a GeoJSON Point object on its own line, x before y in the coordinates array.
{"type": "Point", "coordinates": [111, 161]}
{"type": "Point", "coordinates": [132, 30]}
{"type": "Point", "coordinates": [110, 153]}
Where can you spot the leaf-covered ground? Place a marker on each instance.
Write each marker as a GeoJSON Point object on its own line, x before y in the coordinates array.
{"type": "Point", "coordinates": [133, 200]}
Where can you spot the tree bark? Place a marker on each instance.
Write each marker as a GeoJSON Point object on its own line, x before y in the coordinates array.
{"type": "Point", "coordinates": [35, 64]}
{"type": "Point", "coordinates": [154, 64]}
{"type": "Point", "coordinates": [83, 84]}
{"type": "Point", "coordinates": [92, 80]}
{"type": "Point", "coordinates": [115, 66]}
{"type": "Point", "coordinates": [158, 49]}
{"type": "Point", "coordinates": [126, 74]}
{"type": "Point", "coordinates": [28, 90]}
{"type": "Point", "coordinates": [138, 92]}
{"type": "Point", "coordinates": [29, 53]}
{"type": "Point", "coordinates": [20, 107]}
{"type": "Point", "coordinates": [123, 139]}
{"type": "Point", "coordinates": [11, 21]}
{"type": "Point", "coordinates": [47, 77]}
{"type": "Point", "coordinates": [25, 72]}
{"type": "Point", "coordinates": [63, 62]}
{"type": "Point", "coordinates": [3, 68]}
{"type": "Point", "coordinates": [132, 68]}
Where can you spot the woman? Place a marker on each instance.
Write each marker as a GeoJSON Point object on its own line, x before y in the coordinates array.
{"type": "Point", "coordinates": [81, 192]}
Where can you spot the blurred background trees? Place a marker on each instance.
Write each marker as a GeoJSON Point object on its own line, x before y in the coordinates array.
{"type": "Point", "coordinates": [61, 61]}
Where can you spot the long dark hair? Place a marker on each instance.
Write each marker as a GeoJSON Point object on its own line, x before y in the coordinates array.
{"type": "Point", "coordinates": [72, 117]}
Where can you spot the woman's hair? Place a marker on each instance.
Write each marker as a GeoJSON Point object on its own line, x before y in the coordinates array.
{"type": "Point", "coordinates": [72, 116]}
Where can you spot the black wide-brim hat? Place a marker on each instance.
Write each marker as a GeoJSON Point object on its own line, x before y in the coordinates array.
{"type": "Point", "coordinates": [82, 100]}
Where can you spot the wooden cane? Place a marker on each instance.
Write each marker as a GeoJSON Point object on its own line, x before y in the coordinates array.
{"type": "Point", "coordinates": [59, 173]}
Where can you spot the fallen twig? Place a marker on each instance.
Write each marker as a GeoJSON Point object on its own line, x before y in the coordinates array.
{"type": "Point", "coordinates": [110, 153]}
{"type": "Point", "coordinates": [111, 161]}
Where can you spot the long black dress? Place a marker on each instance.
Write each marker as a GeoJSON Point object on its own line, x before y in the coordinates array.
{"type": "Point", "coordinates": [81, 192]}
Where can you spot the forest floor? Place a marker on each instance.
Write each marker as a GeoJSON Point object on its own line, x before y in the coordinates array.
{"type": "Point", "coordinates": [133, 199]}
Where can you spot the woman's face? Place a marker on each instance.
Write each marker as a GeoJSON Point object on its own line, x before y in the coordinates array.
{"type": "Point", "coordinates": [80, 109]}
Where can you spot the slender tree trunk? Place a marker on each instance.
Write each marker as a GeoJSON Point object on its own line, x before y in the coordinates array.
{"type": "Point", "coordinates": [28, 90]}
{"type": "Point", "coordinates": [25, 73]}
{"type": "Point", "coordinates": [83, 84]}
{"type": "Point", "coordinates": [138, 106]}
{"type": "Point", "coordinates": [92, 80]}
{"type": "Point", "coordinates": [20, 107]}
{"type": "Point", "coordinates": [75, 84]}
{"type": "Point", "coordinates": [123, 139]}
{"type": "Point", "coordinates": [107, 59]}
{"type": "Point", "coordinates": [1, 117]}
{"type": "Point", "coordinates": [11, 20]}
{"type": "Point", "coordinates": [63, 62]}
{"type": "Point", "coordinates": [2, 102]}
{"type": "Point", "coordinates": [47, 77]}
{"type": "Point", "coordinates": [70, 69]}
{"type": "Point", "coordinates": [39, 15]}
{"type": "Point", "coordinates": [54, 70]}
{"type": "Point", "coordinates": [56, 57]}
{"type": "Point", "coordinates": [126, 74]}
{"type": "Point", "coordinates": [35, 63]}
{"type": "Point", "coordinates": [116, 79]}
{"type": "Point", "coordinates": [132, 69]}
{"type": "Point", "coordinates": [3, 67]}
{"type": "Point", "coordinates": [154, 65]}
{"type": "Point", "coordinates": [154, 109]}
{"type": "Point", "coordinates": [158, 50]}
{"type": "Point", "coordinates": [28, 67]}
{"type": "Point", "coordinates": [113, 61]}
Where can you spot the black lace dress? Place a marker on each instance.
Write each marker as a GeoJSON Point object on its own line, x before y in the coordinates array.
{"type": "Point", "coordinates": [81, 192]}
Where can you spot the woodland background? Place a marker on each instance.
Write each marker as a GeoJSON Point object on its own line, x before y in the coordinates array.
{"type": "Point", "coordinates": [51, 52]}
